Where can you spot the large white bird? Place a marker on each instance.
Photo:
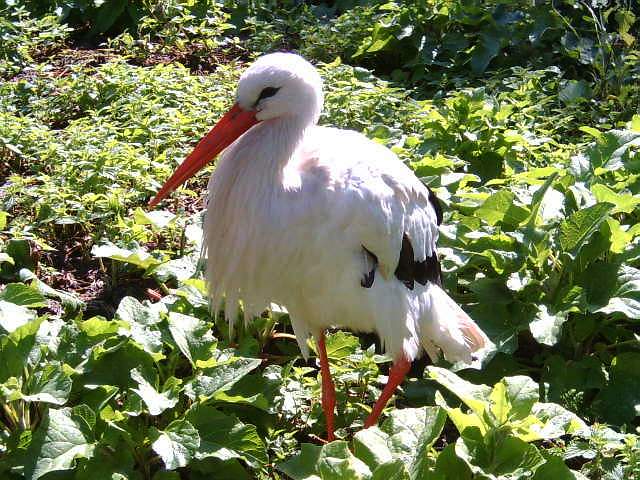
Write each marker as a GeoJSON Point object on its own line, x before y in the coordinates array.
{"type": "Point", "coordinates": [325, 222]}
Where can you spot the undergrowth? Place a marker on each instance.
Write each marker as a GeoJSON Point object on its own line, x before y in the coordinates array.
{"type": "Point", "coordinates": [523, 119]}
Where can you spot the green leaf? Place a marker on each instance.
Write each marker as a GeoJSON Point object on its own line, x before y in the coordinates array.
{"type": "Point", "coordinates": [56, 444]}
{"type": "Point", "coordinates": [336, 462]}
{"type": "Point", "coordinates": [341, 344]}
{"type": "Point", "coordinates": [450, 466]}
{"type": "Point", "coordinates": [508, 456]}
{"type": "Point", "coordinates": [412, 432]}
{"type": "Point", "coordinates": [50, 384]}
{"type": "Point", "coordinates": [304, 465]}
{"type": "Point", "coordinates": [624, 202]}
{"type": "Point", "coordinates": [626, 298]}
{"type": "Point", "coordinates": [546, 327]}
{"type": "Point", "coordinates": [558, 421]}
{"type": "Point", "coordinates": [141, 318]}
{"type": "Point", "coordinates": [619, 401]}
{"type": "Point", "coordinates": [156, 402]}
{"type": "Point", "coordinates": [180, 268]}
{"type": "Point", "coordinates": [139, 257]}
{"type": "Point", "coordinates": [575, 91]}
{"type": "Point", "coordinates": [555, 468]}
{"type": "Point", "coordinates": [132, 311]}
{"type": "Point", "coordinates": [193, 337]}
{"type": "Point", "coordinates": [110, 461]}
{"type": "Point", "coordinates": [13, 316]}
{"type": "Point", "coordinates": [522, 394]}
{"type": "Point", "coordinates": [157, 218]}
{"type": "Point", "coordinates": [370, 446]}
{"type": "Point", "coordinates": [474, 396]}
{"type": "Point", "coordinates": [220, 378]}
{"type": "Point", "coordinates": [576, 230]}
{"type": "Point", "coordinates": [97, 326]}
{"type": "Point", "coordinates": [394, 470]}
{"type": "Point", "coordinates": [225, 437]}
{"type": "Point", "coordinates": [15, 348]}
{"type": "Point", "coordinates": [68, 300]}
{"type": "Point", "coordinates": [177, 444]}
{"type": "Point", "coordinates": [489, 47]}
{"type": "Point", "coordinates": [23, 295]}
{"type": "Point", "coordinates": [500, 208]}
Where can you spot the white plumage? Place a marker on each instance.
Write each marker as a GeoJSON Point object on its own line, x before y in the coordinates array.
{"type": "Point", "coordinates": [292, 208]}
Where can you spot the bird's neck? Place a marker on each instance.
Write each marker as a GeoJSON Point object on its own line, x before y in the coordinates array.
{"type": "Point", "coordinates": [281, 137]}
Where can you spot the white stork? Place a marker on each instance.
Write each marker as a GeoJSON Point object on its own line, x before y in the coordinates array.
{"type": "Point", "coordinates": [325, 222]}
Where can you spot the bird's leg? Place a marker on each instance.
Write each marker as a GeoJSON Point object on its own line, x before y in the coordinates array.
{"type": "Point", "coordinates": [397, 372]}
{"type": "Point", "coordinates": [328, 389]}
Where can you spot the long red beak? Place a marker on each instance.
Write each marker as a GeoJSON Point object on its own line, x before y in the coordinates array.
{"type": "Point", "coordinates": [233, 124]}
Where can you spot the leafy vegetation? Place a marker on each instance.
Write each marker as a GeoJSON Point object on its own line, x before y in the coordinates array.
{"type": "Point", "coordinates": [523, 118]}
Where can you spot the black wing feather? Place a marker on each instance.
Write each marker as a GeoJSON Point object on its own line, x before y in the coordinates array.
{"type": "Point", "coordinates": [409, 270]}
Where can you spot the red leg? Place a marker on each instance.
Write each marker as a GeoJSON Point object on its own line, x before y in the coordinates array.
{"type": "Point", "coordinates": [328, 389]}
{"type": "Point", "coordinates": [397, 372]}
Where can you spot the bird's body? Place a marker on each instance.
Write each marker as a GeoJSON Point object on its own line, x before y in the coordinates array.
{"type": "Point", "coordinates": [325, 222]}
{"type": "Point", "coordinates": [292, 230]}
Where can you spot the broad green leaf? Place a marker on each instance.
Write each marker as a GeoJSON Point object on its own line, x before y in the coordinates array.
{"type": "Point", "coordinates": [156, 402]}
{"type": "Point", "coordinates": [110, 461]}
{"type": "Point", "coordinates": [474, 396]}
{"type": "Point", "coordinates": [619, 401]}
{"type": "Point", "coordinates": [576, 230]}
{"type": "Point", "coordinates": [488, 48]}
{"type": "Point", "coordinates": [58, 442]}
{"type": "Point", "coordinates": [50, 384]}
{"type": "Point", "coordinates": [177, 444]}
{"type": "Point", "coordinates": [304, 465]}
{"type": "Point", "coordinates": [336, 462]}
{"type": "Point", "coordinates": [626, 298]}
{"type": "Point", "coordinates": [371, 446]}
{"type": "Point", "coordinates": [156, 218]}
{"type": "Point", "coordinates": [500, 208]}
{"type": "Point", "coordinates": [340, 345]}
{"type": "Point", "coordinates": [555, 468]}
{"type": "Point", "coordinates": [23, 295]}
{"type": "Point", "coordinates": [140, 319]}
{"type": "Point", "coordinates": [15, 348]}
{"type": "Point", "coordinates": [546, 327]}
{"type": "Point", "coordinates": [558, 421]}
{"type": "Point", "coordinates": [139, 257]}
{"type": "Point", "coordinates": [132, 311]}
{"type": "Point", "coordinates": [412, 432]}
{"type": "Point", "coordinates": [225, 437]}
{"type": "Point", "coordinates": [6, 258]}
{"type": "Point", "coordinates": [193, 337]}
{"type": "Point", "coordinates": [624, 202]}
{"type": "Point", "coordinates": [13, 316]}
{"type": "Point", "coordinates": [507, 456]}
{"type": "Point", "coordinates": [537, 202]}
{"type": "Point", "coordinates": [180, 268]}
{"type": "Point", "coordinates": [68, 300]}
{"type": "Point", "coordinates": [219, 378]}
{"type": "Point", "coordinates": [575, 91]}
{"type": "Point", "coordinates": [394, 470]}
{"type": "Point", "coordinates": [522, 394]}
{"type": "Point", "coordinates": [450, 466]}
{"type": "Point", "coordinates": [97, 326]}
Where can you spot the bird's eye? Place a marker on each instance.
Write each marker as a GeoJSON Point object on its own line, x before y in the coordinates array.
{"type": "Point", "coordinates": [267, 92]}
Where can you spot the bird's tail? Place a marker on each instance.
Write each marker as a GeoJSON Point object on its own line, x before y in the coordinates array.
{"type": "Point", "coordinates": [448, 328]}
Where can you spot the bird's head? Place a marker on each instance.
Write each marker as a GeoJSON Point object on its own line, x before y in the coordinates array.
{"type": "Point", "coordinates": [275, 86]}
{"type": "Point", "coordinates": [280, 85]}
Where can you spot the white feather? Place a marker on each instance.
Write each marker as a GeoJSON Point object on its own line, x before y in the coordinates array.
{"type": "Point", "coordinates": [292, 204]}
